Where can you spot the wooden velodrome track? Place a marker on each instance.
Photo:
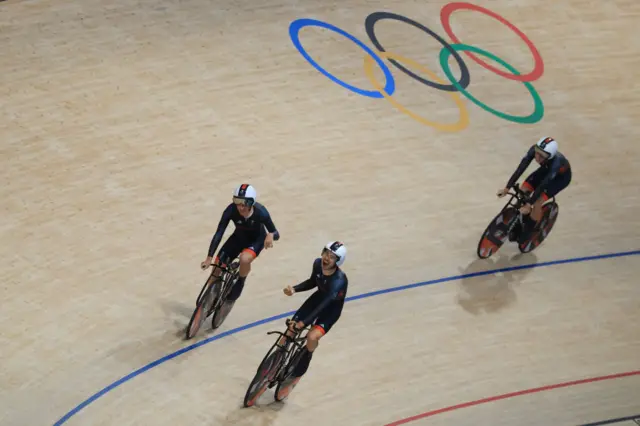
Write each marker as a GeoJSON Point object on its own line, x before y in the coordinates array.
{"type": "Point", "coordinates": [126, 125]}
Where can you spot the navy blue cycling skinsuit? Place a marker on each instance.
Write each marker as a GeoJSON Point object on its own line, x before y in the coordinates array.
{"type": "Point", "coordinates": [249, 234]}
{"type": "Point", "coordinates": [548, 180]}
{"type": "Point", "coordinates": [325, 304]}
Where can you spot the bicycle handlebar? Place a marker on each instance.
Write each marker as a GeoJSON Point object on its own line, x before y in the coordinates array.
{"type": "Point", "coordinates": [516, 189]}
{"type": "Point", "coordinates": [298, 331]}
{"type": "Point", "coordinates": [293, 338]}
{"type": "Point", "coordinates": [222, 268]}
{"type": "Point", "coordinates": [517, 192]}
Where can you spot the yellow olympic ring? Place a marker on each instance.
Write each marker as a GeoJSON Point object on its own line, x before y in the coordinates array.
{"type": "Point", "coordinates": [462, 123]}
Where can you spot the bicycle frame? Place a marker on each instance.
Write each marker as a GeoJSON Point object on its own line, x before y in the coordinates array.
{"type": "Point", "coordinates": [297, 340]}
{"type": "Point", "coordinates": [225, 272]}
{"type": "Point", "coordinates": [519, 195]}
{"type": "Point", "coordinates": [521, 199]}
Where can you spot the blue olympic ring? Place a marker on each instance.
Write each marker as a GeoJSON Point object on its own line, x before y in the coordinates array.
{"type": "Point", "coordinates": [294, 30]}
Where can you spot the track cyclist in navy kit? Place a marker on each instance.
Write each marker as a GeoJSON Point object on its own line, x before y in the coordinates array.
{"type": "Point", "coordinates": [254, 231]}
{"type": "Point", "coordinates": [324, 306]}
{"type": "Point", "coordinates": [553, 175]}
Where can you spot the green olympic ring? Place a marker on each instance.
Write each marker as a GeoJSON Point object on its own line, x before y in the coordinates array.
{"type": "Point", "coordinates": [534, 117]}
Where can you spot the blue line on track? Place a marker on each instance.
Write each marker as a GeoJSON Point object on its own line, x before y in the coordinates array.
{"type": "Point", "coordinates": [193, 346]}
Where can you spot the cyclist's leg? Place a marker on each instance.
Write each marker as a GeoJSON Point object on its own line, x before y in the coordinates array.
{"type": "Point", "coordinates": [554, 187]}
{"type": "Point", "coordinates": [220, 260]}
{"type": "Point", "coordinates": [536, 211]}
{"type": "Point", "coordinates": [248, 254]}
{"type": "Point", "coordinates": [229, 251]}
{"type": "Point", "coordinates": [325, 321]}
{"type": "Point", "coordinates": [528, 186]}
{"type": "Point", "coordinates": [532, 181]}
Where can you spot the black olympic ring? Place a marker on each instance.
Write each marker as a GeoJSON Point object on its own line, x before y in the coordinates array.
{"type": "Point", "coordinates": [370, 22]}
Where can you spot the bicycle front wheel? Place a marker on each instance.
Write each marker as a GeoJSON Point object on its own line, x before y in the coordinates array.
{"type": "Point", "coordinates": [201, 312]}
{"type": "Point", "coordinates": [495, 234]}
{"type": "Point", "coordinates": [264, 376]}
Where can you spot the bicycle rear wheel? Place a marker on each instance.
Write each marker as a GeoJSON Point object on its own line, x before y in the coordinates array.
{"type": "Point", "coordinates": [264, 377]}
{"type": "Point", "coordinates": [224, 307]}
{"type": "Point", "coordinates": [549, 217]}
{"type": "Point", "coordinates": [552, 210]}
{"type": "Point", "coordinates": [289, 381]}
{"type": "Point", "coordinates": [221, 313]}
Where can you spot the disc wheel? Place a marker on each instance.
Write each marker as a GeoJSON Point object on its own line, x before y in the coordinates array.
{"type": "Point", "coordinates": [264, 376]}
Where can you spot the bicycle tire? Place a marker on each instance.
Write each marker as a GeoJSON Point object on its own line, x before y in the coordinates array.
{"type": "Point", "coordinates": [493, 236]}
{"type": "Point", "coordinates": [264, 376]}
{"type": "Point", "coordinates": [198, 317]}
{"type": "Point", "coordinates": [221, 313]}
{"type": "Point", "coordinates": [284, 389]}
{"type": "Point", "coordinates": [223, 308]}
{"type": "Point", "coordinates": [293, 362]}
{"type": "Point", "coordinates": [551, 215]}
{"type": "Point", "coordinates": [541, 233]}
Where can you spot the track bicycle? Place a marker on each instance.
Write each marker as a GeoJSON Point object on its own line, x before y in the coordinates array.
{"type": "Point", "coordinates": [508, 224]}
{"type": "Point", "coordinates": [277, 366]}
{"type": "Point", "coordinates": [212, 299]}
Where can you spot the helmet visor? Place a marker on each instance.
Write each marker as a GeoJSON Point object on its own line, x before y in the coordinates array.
{"type": "Point", "coordinates": [242, 201]}
{"type": "Point", "coordinates": [542, 152]}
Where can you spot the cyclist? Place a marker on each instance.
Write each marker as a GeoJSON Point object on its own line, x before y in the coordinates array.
{"type": "Point", "coordinates": [322, 308]}
{"type": "Point", "coordinates": [553, 175]}
{"type": "Point", "coordinates": [254, 230]}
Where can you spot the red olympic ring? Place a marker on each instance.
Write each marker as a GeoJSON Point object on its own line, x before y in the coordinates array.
{"type": "Point", "coordinates": [538, 69]}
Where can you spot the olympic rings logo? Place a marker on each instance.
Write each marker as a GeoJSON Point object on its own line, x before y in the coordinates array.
{"type": "Point", "coordinates": [448, 50]}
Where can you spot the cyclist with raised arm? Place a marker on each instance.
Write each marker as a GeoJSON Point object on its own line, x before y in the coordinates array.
{"type": "Point", "coordinates": [321, 310]}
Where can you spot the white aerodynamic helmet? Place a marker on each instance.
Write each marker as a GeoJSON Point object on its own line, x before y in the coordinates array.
{"type": "Point", "coordinates": [245, 194]}
{"type": "Point", "coordinates": [337, 248]}
{"type": "Point", "coordinates": [548, 147]}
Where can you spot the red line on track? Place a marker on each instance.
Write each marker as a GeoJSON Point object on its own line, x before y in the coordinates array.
{"type": "Point", "coordinates": [511, 395]}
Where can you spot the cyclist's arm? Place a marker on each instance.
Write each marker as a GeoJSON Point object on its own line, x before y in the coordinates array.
{"type": "Point", "coordinates": [524, 163]}
{"type": "Point", "coordinates": [305, 285]}
{"type": "Point", "coordinates": [222, 226]}
{"type": "Point", "coordinates": [310, 282]}
{"type": "Point", "coordinates": [268, 223]}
